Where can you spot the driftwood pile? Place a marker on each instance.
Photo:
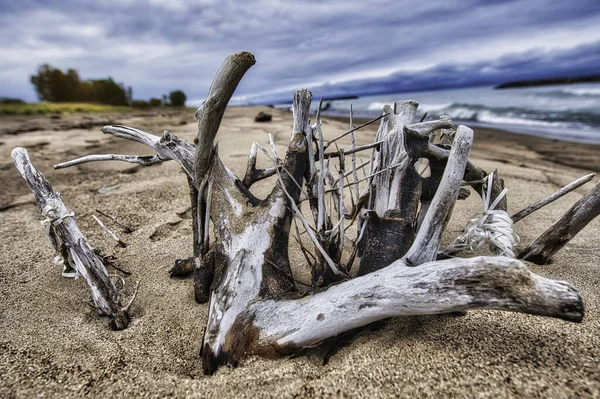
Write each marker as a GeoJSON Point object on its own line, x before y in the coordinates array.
{"type": "Point", "coordinates": [396, 213]}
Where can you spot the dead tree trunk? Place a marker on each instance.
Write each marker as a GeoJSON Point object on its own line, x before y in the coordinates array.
{"type": "Point", "coordinates": [254, 307]}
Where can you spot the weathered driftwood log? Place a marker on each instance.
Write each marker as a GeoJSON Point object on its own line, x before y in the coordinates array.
{"type": "Point", "coordinates": [68, 241]}
{"type": "Point", "coordinates": [542, 249]}
{"type": "Point", "coordinates": [254, 307]}
{"type": "Point", "coordinates": [282, 326]}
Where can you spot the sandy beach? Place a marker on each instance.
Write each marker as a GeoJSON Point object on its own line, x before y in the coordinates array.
{"type": "Point", "coordinates": [52, 344]}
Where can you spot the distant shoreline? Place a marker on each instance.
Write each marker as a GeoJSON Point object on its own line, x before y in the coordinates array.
{"type": "Point", "coordinates": [549, 82]}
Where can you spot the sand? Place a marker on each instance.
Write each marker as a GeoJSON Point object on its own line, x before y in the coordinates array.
{"type": "Point", "coordinates": [52, 344]}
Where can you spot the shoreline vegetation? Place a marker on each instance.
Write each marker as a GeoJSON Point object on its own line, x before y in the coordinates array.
{"type": "Point", "coordinates": [45, 108]}
{"type": "Point", "coordinates": [548, 82]}
{"type": "Point", "coordinates": [65, 92]}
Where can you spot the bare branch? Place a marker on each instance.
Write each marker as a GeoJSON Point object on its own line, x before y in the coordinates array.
{"type": "Point", "coordinates": [211, 112]}
{"type": "Point", "coordinates": [426, 128]}
{"type": "Point", "coordinates": [352, 130]}
{"type": "Point", "coordinates": [105, 296]}
{"type": "Point", "coordinates": [110, 233]}
{"type": "Point", "coordinates": [354, 150]}
{"type": "Point", "coordinates": [321, 210]}
{"type": "Point", "coordinates": [125, 228]}
{"type": "Point", "coordinates": [168, 146]}
{"type": "Point", "coordinates": [138, 159]}
{"type": "Point", "coordinates": [427, 241]}
{"type": "Point", "coordinates": [551, 198]}
{"type": "Point", "coordinates": [252, 174]}
{"type": "Point", "coordinates": [563, 230]}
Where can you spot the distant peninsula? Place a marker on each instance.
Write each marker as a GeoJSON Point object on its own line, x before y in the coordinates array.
{"type": "Point", "coordinates": [549, 82]}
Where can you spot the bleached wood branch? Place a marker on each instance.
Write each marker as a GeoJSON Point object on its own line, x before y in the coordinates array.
{"type": "Point", "coordinates": [435, 287]}
{"type": "Point", "coordinates": [252, 174]}
{"type": "Point", "coordinates": [138, 159]}
{"type": "Point", "coordinates": [168, 147]}
{"type": "Point", "coordinates": [110, 233]}
{"type": "Point", "coordinates": [211, 112]}
{"type": "Point", "coordinates": [340, 206]}
{"type": "Point", "coordinates": [106, 298]}
{"type": "Point", "coordinates": [563, 230]}
{"type": "Point", "coordinates": [551, 198]}
{"type": "Point", "coordinates": [427, 241]}
{"type": "Point", "coordinates": [354, 173]}
{"type": "Point", "coordinates": [125, 228]}
{"type": "Point", "coordinates": [321, 210]}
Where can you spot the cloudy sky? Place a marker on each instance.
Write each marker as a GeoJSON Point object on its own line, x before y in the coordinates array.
{"type": "Point", "coordinates": [335, 48]}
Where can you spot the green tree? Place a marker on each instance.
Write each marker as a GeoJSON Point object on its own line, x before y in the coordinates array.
{"type": "Point", "coordinates": [51, 84]}
{"type": "Point", "coordinates": [177, 98]}
{"type": "Point", "coordinates": [107, 91]}
{"type": "Point", "coordinates": [155, 102]}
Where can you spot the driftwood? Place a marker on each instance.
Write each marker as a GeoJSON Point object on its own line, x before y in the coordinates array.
{"type": "Point", "coordinates": [563, 230]}
{"type": "Point", "coordinates": [551, 198]}
{"type": "Point", "coordinates": [72, 246]}
{"type": "Point", "coordinates": [243, 270]}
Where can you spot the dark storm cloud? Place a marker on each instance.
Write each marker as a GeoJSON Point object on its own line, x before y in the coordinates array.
{"type": "Point", "coordinates": [535, 64]}
{"type": "Point", "coordinates": [157, 46]}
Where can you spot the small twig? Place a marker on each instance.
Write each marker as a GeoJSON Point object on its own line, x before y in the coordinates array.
{"type": "Point", "coordinates": [304, 250]}
{"type": "Point", "coordinates": [110, 233]}
{"type": "Point", "coordinates": [355, 129]}
{"type": "Point", "coordinates": [321, 211]}
{"type": "Point", "coordinates": [365, 178]}
{"type": "Point", "coordinates": [341, 213]}
{"type": "Point", "coordinates": [354, 150]}
{"type": "Point", "coordinates": [126, 229]}
{"type": "Point", "coordinates": [361, 233]}
{"type": "Point", "coordinates": [474, 182]}
{"type": "Point", "coordinates": [137, 288]}
{"type": "Point", "coordinates": [109, 262]}
{"type": "Point", "coordinates": [353, 147]}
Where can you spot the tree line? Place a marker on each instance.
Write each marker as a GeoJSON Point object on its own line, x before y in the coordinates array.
{"type": "Point", "coordinates": [53, 85]}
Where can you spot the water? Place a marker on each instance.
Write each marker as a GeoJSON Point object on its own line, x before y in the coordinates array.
{"type": "Point", "coordinates": [564, 112]}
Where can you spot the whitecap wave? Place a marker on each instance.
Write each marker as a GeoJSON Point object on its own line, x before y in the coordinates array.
{"type": "Point", "coordinates": [582, 91]}
{"type": "Point", "coordinates": [376, 106]}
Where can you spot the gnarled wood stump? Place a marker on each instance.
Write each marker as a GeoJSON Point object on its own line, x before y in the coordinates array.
{"type": "Point", "coordinates": [245, 273]}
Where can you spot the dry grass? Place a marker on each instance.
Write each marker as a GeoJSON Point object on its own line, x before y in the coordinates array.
{"type": "Point", "coordinates": [57, 108]}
